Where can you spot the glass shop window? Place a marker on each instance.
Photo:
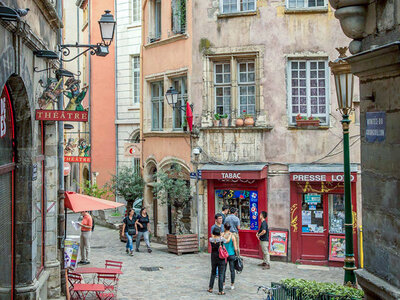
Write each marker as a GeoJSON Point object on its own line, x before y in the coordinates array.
{"type": "Point", "coordinates": [245, 201]}
{"type": "Point", "coordinates": [336, 213]}
{"type": "Point", "coordinates": [312, 214]}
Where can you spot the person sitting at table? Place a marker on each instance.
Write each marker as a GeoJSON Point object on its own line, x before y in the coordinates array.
{"type": "Point", "coordinates": [129, 230]}
{"type": "Point", "coordinates": [143, 226]}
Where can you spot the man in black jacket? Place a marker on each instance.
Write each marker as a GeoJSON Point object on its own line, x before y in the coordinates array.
{"type": "Point", "coordinates": [263, 236]}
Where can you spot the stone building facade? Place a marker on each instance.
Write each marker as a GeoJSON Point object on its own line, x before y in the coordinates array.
{"type": "Point", "coordinates": [373, 26]}
{"type": "Point", "coordinates": [270, 59]}
{"type": "Point", "coordinates": [29, 266]}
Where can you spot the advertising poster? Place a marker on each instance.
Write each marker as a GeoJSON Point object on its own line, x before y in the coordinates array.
{"type": "Point", "coordinates": [278, 241]}
{"type": "Point", "coordinates": [337, 248]}
{"type": "Point", "coordinates": [71, 249]}
{"type": "Point", "coordinates": [253, 210]}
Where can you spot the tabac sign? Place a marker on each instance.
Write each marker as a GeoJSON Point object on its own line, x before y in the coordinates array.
{"type": "Point", "coordinates": [133, 149]}
{"type": "Point", "coordinates": [74, 110]}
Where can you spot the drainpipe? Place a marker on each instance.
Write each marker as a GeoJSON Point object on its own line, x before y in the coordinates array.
{"type": "Point", "coordinates": [116, 93]}
{"type": "Point", "coordinates": [90, 89]}
{"type": "Point", "coordinates": [142, 83]}
{"type": "Point", "coordinates": [60, 150]}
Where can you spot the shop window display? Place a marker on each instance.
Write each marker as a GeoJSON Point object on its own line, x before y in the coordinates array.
{"type": "Point", "coordinates": [336, 213]}
{"type": "Point", "coordinates": [245, 201]}
{"type": "Point", "coordinates": [312, 216]}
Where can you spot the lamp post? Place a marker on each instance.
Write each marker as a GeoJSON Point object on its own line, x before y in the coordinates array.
{"type": "Point", "coordinates": [172, 97]}
{"type": "Point", "coordinates": [344, 82]}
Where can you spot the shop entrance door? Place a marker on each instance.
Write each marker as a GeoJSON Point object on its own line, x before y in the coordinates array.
{"type": "Point", "coordinates": [314, 221]}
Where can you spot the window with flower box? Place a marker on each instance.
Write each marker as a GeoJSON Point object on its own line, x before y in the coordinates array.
{"type": "Point", "coordinates": [308, 90]}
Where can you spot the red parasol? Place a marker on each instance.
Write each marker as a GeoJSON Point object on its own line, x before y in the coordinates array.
{"type": "Point", "coordinates": [189, 116]}
{"type": "Point", "coordinates": [79, 202]}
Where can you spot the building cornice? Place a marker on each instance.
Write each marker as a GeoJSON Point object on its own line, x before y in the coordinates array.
{"type": "Point", "coordinates": [47, 7]}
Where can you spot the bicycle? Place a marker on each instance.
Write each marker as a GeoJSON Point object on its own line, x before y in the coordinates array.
{"type": "Point", "coordinates": [268, 291]}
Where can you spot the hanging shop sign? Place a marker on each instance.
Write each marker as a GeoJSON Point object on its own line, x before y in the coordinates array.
{"type": "Point", "coordinates": [74, 110]}
{"type": "Point", "coordinates": [375, 130]}
{"type": "Point", "coordinates": [77, 148]}
{"type": "Point", "coordinates": [321, 177]}
{"type": "Point", "coordinates": [337, 247]}
{"type": "Point", "coordinates": [278, 241]}
{"type": "Point", "coordinates": [133, 149]}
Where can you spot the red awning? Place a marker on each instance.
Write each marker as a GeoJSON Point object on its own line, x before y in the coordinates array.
{"type": "Point", "coordinates": [79, 202]}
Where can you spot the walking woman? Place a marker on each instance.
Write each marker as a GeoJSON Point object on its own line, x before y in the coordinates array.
{"type": "Point", "coordinates": [230, 246]}
{"type": "Point", "coordinates": [216, 241]}
{"type": "Point", "coordinates": [143, 226]}
{"type": "Point", "coordinates": [129, 229]}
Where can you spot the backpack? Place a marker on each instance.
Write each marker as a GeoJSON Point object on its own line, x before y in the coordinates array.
{"type": "Point", "coordinates": [238, 264]}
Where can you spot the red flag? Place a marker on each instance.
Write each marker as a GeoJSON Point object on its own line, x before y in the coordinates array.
{"type": "Point", "coordinates": [189, 116]}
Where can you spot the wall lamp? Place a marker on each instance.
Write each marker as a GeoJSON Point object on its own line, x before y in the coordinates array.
{"type": "Point", "coordinates": [10, 14]}
{"type": "Point", "coordinates": [107, 29]}
{"type": "Point", "coordinates": [172, 98]}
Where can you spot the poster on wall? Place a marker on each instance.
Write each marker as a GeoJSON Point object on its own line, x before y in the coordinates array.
{"type": "Point", "coordinates": [278, 241]}
{"type": "Point", "coordinates": [76, 147]}
{"type": "Point", "coordinates": [74, 110]}
{"type": "Point", "coordinates": [253, 210]}
{"type": "Point", "coordinates": [337, 248]}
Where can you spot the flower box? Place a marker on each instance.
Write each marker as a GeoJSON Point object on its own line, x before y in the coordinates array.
{"type": "Point", "coordinates": [306, 123]}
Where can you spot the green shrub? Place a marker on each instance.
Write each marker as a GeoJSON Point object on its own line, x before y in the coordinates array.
{"type": "Point", "coordinates": [310, 289]}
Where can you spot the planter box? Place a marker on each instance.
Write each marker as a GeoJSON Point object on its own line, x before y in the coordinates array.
{"type": "Point", "coordinates": [182, 243]}
{"type": "Point", "coordinates": [306, 123]}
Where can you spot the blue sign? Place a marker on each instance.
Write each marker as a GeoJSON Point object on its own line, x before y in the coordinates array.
{"type": "Point", "coordinates": [193, 175]}
{"type": "Point", "coordinates": [312, 199]}
{"type": "Point", "coordinates": [375, 131]}
{"type": "Point", "coordinates": [199, 174]}
{"type": "Point", "coordinates": [253, 210]}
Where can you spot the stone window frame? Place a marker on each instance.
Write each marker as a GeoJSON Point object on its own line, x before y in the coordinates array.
{"type": "Point", "coordinates": [306, 6]}
{"type": "Point", "coordinates": [136, 11]}
{"type": "Point", "coordinates": [308, 60]}
{"type": "Point", "coordinates": [238, 5]}
{"type": "Point", "coordinates": [243, 53]}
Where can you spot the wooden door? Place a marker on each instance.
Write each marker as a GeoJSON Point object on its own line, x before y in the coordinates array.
{"type": "Point", "coordinates": [314, 227]}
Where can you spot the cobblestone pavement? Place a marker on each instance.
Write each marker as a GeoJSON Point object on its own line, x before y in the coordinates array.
{"type": "Point", "coordinates": [187, 276]}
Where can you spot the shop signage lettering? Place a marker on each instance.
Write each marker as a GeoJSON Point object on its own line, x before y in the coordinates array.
{"type": "Point", "coordinates": [80, 159]}
{"type": "Point", "coordinates": [61, 115]}
{"type": "Point", "coordinates": [320, 177]}
{"type": "Point", "coordinates": [3, 117]}
{"type": "Point", "coordinates": [230, 175]}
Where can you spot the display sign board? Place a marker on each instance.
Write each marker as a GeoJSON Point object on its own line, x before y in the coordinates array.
{"type": "Point", "coordinates": [278, 241]}
{"type": "Point", "coordinates": [375, 130]}
{"type": "Point", "coordinates": [321, 177]}
{"type": "Point", "coordinates": [337, 247]}
{"type": "Point", "coordinates": [133, 149]}
{"type": "Point", "coordinates": [76, 147]}
{"type": "Point", "coordinates": [78, 159]}
{"type": "Point", "coordinates": [61, 115]}
{"type": "Point", "coordinates": [253, 210]}
{"type": "Point", "coordinates": [312, 198]}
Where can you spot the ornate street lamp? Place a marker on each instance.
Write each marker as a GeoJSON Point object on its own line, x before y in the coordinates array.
{"type": "Point", "coordinates": [107, 29]}
{"type": "Point", "coordinates": [344, 82]}
{"type": "Point", "coordinates": [172, 97]}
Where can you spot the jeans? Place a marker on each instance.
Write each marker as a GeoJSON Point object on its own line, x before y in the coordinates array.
{"type": "Point", "coordinates": [85, 245]}
{"type": "Point", "coordinates": [146, 239]}
{"type": "Point", "coordinates": [264, 249]}
{"type": "Point", "coordinates": [231, 261]}
{"type": "Point", "coordinates": [129, 242]}
{"type": "Point", "coordinates": [220, 263]}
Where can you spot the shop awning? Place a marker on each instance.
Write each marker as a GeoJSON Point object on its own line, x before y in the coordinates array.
{"type": "Point", "coordinates": [234, 172]}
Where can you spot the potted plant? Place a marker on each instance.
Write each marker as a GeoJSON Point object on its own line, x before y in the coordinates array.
{"type": "Point", "coordinates": [216, 121]}
{"type": "Point", "coordinates": [248, 119]}
{"type": "Point", "coordinates": [171, 187]}
{"type": "Point", "coordinates": [224, 120]}
{"type": "Point", "coordinates": [128, 184]}
{"type": "Point", "coordinates": [303, 121]}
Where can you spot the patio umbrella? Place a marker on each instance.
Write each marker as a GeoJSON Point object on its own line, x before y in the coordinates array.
{"type": "Point", "coordinates": [79, 202]}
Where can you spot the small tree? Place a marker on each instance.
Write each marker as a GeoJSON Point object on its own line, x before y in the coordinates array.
{"type": "Point", "coordinates": [172, 188]}
{"type": "Point", "coordinates": [128, 184]}
{"type": "Point", "coordinates": [94, 190]}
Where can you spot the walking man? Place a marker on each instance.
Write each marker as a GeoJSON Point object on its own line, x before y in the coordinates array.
{"type": "Point", "coordinates": [263, 235]}
{"type": "Point", "coordinates": [218, 223]}
{"type": "Point", "coordinates": [86, 233]}
{"type": "Point", "coordinates": [234, 221]}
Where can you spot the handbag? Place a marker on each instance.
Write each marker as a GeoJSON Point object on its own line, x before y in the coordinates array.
{"type": "Point", "coordinates": [223, 253]}
{"type": "Point", "coordinates": [238, 264]}
{"type": "Point", "coordinates": [131, 231]}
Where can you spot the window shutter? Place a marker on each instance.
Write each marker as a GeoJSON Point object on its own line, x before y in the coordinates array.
{"type": "Point", "coordinates": [176, 16]}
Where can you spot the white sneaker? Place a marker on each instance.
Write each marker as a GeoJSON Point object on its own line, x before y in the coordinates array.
{"type": "Point", "coordinates": [232, 287]}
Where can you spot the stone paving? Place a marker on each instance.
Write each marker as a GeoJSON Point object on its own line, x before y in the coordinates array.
{"type": "Point", "coordinates": [187, 276]}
